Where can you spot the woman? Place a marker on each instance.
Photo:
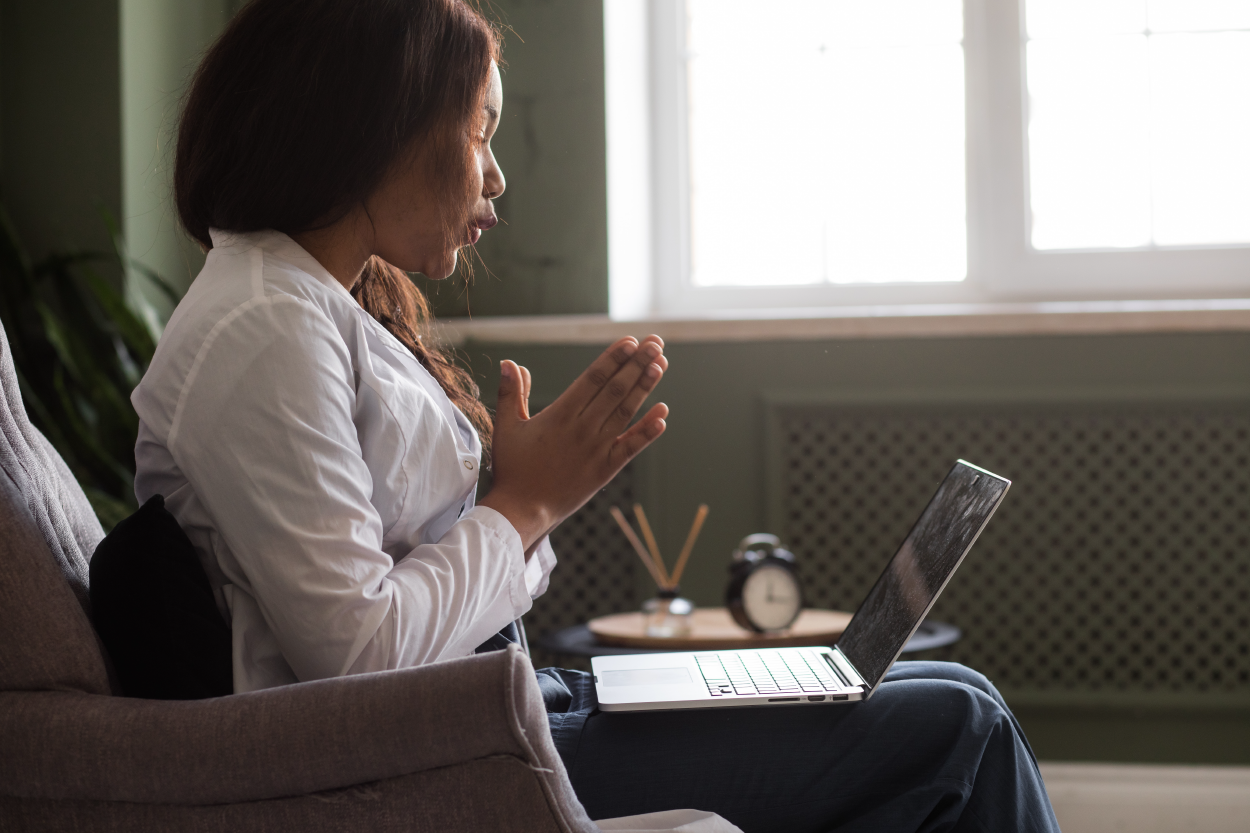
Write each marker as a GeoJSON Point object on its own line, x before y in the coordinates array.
{"type": "Point", "coordinates": [323, 459]}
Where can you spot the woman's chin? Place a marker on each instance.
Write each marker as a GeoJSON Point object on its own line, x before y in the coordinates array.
{"type": "Point", "coordinates": [442, 270]}
{"type": "Point", "coordinates": [449, 267]}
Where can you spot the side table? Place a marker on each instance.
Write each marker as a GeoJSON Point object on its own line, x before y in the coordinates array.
{"type": "Point", "coordinates": [578, 641]}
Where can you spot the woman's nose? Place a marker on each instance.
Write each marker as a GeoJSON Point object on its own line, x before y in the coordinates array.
{"type": "Point", "coordinates": [492, 179]}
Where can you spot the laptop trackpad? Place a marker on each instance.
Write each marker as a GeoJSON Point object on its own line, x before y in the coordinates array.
{"type": "Point", "coordinates": [647, 676]}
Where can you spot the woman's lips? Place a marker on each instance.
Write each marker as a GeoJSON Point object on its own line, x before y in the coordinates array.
{"type": "Point", "coordinates": [480, 225]}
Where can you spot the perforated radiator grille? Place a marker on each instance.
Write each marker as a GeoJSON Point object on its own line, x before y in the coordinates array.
{"type": "Point", "coordinates": [1120, 559]}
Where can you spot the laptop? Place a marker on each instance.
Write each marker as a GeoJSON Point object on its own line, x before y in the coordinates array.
{"type": "Point", "coordinates": [852, 669]}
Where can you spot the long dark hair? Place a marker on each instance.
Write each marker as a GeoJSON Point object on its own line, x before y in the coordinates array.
{"type": "Point", "coordinates": [302, 106]}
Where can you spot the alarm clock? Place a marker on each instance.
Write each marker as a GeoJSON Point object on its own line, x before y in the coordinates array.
{"type": "Point", "coordinates": [764, 594]}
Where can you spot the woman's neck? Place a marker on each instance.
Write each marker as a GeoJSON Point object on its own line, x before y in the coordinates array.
{"type": "Point", "coordinates": [341, 248]}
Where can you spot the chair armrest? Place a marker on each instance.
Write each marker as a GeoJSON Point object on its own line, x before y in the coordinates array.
{"type": "Point", "coordinates": [285, 741]}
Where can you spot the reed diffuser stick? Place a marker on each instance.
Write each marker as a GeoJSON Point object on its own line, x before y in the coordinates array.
{"type": "Point", "coordinates": [651, 545]}
{"type": "Point", "coordinates": [619, 517]}
{"type": "Point", "coordinates": [688, 547]}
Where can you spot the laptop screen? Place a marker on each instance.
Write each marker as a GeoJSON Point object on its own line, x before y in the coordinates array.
{"type": "Point", "coordinates": [903, 595]}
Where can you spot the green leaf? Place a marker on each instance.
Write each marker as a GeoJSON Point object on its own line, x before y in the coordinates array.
{"type": "Point", "coordinates": [128, 325]}
{"type": "Point", "coordinates": [84, 434]}
{"type": "Point", "coordinates": [108, 509]}
{"type": "Point", "coordinates": [166, 288]}
{"type": "Point", "coordinates": [54, 330]}
{"type": "Point", "coordinates": [12, 253]}
{"type": "Point", "coordinates": [80, 345]}
{"type": "Point", "coordinates": [88, 328]}
{"type": "Point", "coordinates": [129, 263]}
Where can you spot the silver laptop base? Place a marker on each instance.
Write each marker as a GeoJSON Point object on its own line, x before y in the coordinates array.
{"type": "Point", "coordinates": [732, 678]}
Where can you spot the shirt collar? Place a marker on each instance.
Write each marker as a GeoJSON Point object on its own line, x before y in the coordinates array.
{"type": "Point", "coordinates": [282, 247]}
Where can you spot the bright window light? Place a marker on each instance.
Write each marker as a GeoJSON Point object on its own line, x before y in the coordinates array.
{"type": "Point", "coordinates": [826, 142]}
{"type": "Point", "coordinates": [1138, 123]}
{"type": "Point", "coordinates": [768, 158]}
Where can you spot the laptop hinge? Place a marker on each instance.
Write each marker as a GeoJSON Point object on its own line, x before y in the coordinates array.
{"type": "Point", "coordinates": [843, 668]}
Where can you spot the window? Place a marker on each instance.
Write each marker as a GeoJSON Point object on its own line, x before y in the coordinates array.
{"type": "Point", "coordinates": [865, 152]}
{"type": "Point", "coordinates": [1139, 133]}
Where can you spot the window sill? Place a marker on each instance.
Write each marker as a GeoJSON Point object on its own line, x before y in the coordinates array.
{"type": "Point", "coordinates": [918, 321]}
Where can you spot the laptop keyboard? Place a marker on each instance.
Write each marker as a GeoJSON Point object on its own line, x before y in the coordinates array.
{"type": "Point", "coordinates": [732, 673]}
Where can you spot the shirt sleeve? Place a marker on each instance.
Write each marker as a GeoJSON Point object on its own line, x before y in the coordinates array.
{"type": "Point", "coordinates": [538, 568]}
{"type": "Point", "coordinates": [264, 433]}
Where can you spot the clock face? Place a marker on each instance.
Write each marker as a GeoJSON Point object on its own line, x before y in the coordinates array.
{"type": "Point", "coordinates": [771, 597]}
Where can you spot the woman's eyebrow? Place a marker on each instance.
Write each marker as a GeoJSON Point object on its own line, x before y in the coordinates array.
{"type": "Point", "coordinates": [492, 112]}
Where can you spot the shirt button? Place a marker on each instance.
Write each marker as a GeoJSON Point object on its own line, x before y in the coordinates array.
{"type": "Point", "coordinates": [468, 464]}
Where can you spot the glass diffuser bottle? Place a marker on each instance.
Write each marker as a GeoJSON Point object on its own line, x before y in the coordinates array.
{"type": "Point", "coordinates": [668, 615]}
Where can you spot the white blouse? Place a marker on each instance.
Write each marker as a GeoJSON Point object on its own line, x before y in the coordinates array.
{"type": "Point", "coordinates": [323, 476]}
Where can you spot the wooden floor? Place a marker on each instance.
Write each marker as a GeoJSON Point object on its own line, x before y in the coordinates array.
{"type": "Point", "coordinates": [1108, 798]}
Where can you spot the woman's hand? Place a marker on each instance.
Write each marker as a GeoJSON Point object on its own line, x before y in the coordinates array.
{"type": "Point", "coordinates": [547, 466]}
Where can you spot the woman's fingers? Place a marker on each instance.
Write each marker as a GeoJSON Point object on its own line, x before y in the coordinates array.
{"type": "Point", "coordinates": [612, 397]}
{"type": "Point", "coordinates": [547, 466]}
{"type": "Point", "coordinates": [644, 432]}
{"type": "Point", "coordinates": [618, 419]}
{"type": "Point", "coordinates": [525, 392]}
{"type": "Point", "coordinates": [600, 372]}
{"type": "Point", "coordinates": [512, 390]}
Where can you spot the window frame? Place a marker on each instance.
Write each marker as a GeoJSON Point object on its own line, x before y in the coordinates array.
{"type": "Point", "coordinates": [649, 255]}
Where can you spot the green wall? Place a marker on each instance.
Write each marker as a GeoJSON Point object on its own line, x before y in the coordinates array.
{"type": "Point", "coordinates": [60, 117]}
{"type": "Point", "coordinates": [89, 93]}
{"type": "Point", "coordinates": [713, 449]}
{"type": "Point", "coordinates": [549, 256]}
{"type": "Point", "coordinates": [714, 452]}
{"type": "Point", "coordinates": [161, 44]}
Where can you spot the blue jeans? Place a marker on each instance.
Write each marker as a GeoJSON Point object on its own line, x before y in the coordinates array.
{"type": "Point", "coordinates": [934, 749]}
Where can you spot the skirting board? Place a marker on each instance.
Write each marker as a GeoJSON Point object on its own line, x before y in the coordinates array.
{"type": "Point", "coordinates": [1104, 798]}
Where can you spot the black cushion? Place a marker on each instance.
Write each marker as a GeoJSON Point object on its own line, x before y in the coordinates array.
{"type": "Point", "coordinates": [154, 610]}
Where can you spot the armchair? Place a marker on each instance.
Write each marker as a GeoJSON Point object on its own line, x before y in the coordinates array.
{"type": "Point", "coordinates": [455, 746]}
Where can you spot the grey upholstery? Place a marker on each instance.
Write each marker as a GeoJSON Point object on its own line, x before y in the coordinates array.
{"type": "Point", "coordinates": [455, 746]}
{"type": "Point", "coordinates": [56, 502]}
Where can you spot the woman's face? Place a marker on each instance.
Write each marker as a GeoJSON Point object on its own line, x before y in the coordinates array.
{"type": "Point", "coordinates": [406, 215]}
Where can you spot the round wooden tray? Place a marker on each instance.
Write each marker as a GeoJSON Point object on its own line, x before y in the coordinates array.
{"type": "Point", "coordinates": [714, 629]}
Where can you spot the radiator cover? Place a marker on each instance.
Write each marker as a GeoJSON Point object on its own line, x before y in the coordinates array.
{"type": "Point", "coordinates": [1119, 561]}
